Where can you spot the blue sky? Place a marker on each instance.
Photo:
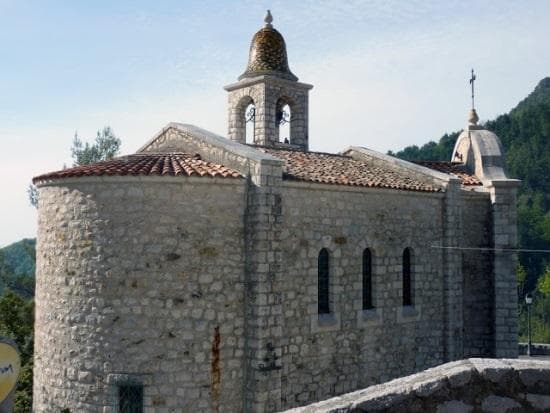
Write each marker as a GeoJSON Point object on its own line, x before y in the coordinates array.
{"type": "Point", "coordinates": [386, 74]}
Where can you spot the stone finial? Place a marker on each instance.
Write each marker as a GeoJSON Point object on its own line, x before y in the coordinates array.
{"type": "Point", "coordinates": [473, 118]}
{"type": "Point", "coordinates": [268, 19]}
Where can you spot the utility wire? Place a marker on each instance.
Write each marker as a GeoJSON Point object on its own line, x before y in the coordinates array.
{"type": "Point", "coordinates": [492, 249]}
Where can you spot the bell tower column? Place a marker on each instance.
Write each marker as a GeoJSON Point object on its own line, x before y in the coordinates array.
{"type": "Point", "coordinates": [268, 94]}
{"type": "Point", "coordinates": [268, 85]}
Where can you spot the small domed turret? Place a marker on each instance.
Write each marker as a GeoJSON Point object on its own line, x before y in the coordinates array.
{"type": "Point", "coordinates": [268, 53]}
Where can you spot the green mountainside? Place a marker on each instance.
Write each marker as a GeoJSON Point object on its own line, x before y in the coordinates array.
{"type": "Point", "coordinates": [431, 151]}
{"type": "Point", "coordinates": [528, 117]}
{"type": "Point", "coordinates": [17, 267]}
{"type": "Point", "coordinates": [19, 257]}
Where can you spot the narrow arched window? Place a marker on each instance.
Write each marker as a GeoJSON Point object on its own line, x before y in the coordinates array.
{"type": "Point", "coordinates": [283, 117]}
{"type": "Point", "coordinates": [250, 122]}
{"type": "Point", "coordinates": [323, 282]}
{"type": "Point", "coordinates": [283, 120]}
{"type": "Point", "coordinates": [407, 277]}
{"type": "Point", "coordinates": [367, 279]}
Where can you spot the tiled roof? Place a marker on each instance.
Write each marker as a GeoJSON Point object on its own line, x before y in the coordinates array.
{"type": "Point", "coordinates": [453, 168]}
{"type": "Point", "coordinates": [344, 170]}
{"type": "Point", "coordinates": [161, 164]}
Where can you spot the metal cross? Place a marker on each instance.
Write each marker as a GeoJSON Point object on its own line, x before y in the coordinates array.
{"type": "Point", "coordinates": [472, 80]}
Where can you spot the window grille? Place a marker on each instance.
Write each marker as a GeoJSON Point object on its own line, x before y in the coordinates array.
{"type": "Point", "coordinates": [130, 398]}
{"type": "Point", "coordinates": [407, 281]}
{"type": "Point", "coordinates": [323, 282]}
{"type": "Point", "coordinates": [367, 280]}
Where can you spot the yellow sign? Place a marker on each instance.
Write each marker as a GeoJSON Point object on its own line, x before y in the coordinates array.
{"type": "Point", "coordinates": [10, 365]}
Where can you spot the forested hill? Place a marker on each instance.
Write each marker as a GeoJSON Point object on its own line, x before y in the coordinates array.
{"type": "Point", "coordinates": [525, 135]}
{"type": "Point", "coordinates": [527, 120]}
{"type": "Point", "coordinates": [17, 266]}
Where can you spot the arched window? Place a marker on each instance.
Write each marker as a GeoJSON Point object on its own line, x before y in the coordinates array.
{"type": "Point", "coordinates": [323, 282]}
{"type": "Point", "coordinates": [250, 122]}
{"type": "Point", "coordinates": [282, 120]}
{"type": "Point", "coordinates": [407, 277]}
{"type": "Point", "coordinates": [367, 280]}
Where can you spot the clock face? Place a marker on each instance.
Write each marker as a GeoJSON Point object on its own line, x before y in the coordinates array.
{"type": "Point", "coordinates": [10, 365]}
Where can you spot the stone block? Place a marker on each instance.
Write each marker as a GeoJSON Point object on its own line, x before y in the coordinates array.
{"type": "Point", "coordinates": [540, 402]}
{"type": "Point", "coordinates": [493, 370]}
{"type": "Point", "coordinates": [454, 406]}
{"type": "Point", "coordinates": [498, 404]}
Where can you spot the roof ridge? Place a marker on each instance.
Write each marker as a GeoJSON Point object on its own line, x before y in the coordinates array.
{"type": "Point", "coordinates": [161, 153]}
{"type": "Point", "coordinates": [418, 161]}
{"type": "Point", "coordinates": [299, 151]}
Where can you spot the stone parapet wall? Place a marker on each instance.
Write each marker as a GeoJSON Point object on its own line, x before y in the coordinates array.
{"type": "Point", "coordinates": [471, 385]}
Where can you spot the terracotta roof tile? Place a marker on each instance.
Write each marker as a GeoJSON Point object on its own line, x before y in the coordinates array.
{"type": "Point", "coordinates": [453, 168]}
{"type": "Point", "coordinates": [344, 170]}
{"type": "Point", "coordinates": [151, 164]}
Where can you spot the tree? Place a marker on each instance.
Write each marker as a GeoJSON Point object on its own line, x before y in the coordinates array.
{"type": "Point", "coordinates": [19, 279]}
{"type": "Point", "coordinates": [32, 192]}
{"type": "Point", "coordinates": [431, 151]}
{"type": "Point", "coordinates": [521, 275]}
{"type": "Point", "coordinates": [543, 285]}
{"type": "Point", "coordinates": [106, 146]}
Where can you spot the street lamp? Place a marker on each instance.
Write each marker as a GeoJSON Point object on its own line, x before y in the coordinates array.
{"type": "Point", "coordinates": [528, 301]}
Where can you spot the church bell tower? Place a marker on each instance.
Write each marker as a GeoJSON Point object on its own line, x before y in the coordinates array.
{"type": "Point", "coordinates": [268, 95]}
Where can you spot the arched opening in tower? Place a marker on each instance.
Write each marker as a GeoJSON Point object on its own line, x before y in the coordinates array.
{"type": "Point", "coordinates": [250, 122]}
{"type": "Point", "coordinates": [282, 121]}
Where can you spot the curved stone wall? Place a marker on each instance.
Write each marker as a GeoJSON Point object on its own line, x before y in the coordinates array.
{"type": "Point", "coordinates": [140, 280]}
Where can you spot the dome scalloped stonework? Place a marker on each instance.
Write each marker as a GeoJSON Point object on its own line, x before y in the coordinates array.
{"type": "Point", "coordinates": [268, 55]}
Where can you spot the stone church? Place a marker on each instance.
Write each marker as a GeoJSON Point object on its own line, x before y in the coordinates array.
{"type": "Point", "coordinates": [214, 274]}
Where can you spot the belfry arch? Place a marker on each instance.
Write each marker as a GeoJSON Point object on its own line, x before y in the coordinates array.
{"type": "Point", "coordinates": [242, 118]}
{"type": "Point", "coordinates": [283, 120]}
{"type": "Point", "coordinates": [250, 123]}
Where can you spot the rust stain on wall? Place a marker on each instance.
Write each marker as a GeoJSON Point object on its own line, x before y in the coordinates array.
{"type": "Point", "coordinates": [215, 372]}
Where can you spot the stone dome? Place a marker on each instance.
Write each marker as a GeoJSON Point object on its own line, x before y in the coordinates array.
{"type": "Point", "coordinates": [268, 54]}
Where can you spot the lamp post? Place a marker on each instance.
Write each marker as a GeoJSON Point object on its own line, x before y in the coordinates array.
{"type": "Point", "coordinates": [528, 301]}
